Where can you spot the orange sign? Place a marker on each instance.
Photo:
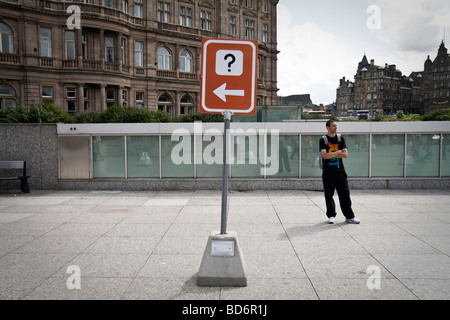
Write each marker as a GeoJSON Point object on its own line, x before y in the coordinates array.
{"type": "Point", "coordinates": [228, 76]}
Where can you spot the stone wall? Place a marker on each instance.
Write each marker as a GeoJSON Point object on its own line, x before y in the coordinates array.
{"type": "Point", "coordinates": [37, 145]}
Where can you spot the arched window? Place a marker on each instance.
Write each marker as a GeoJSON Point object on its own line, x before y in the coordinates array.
{"type": "Point", "coordinates": [165, 103]}
{"type": "Point", "coordinates": [7, 97]}
{"type": "Point", "coordinates": [164, 59]}
{"type": "Point", "coordinates": [186, 105]}
{"type": "Point", "coordinates": [6, 39]}
{"type": "Point", "coordinates": [186, 61]}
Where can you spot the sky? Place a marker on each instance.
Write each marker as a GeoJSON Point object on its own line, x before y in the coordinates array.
{"type": "Point", "coordinates": [322, 41]}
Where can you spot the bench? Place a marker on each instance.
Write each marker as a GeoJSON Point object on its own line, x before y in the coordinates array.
{"type": "Point", "coordinates": [14, 166]}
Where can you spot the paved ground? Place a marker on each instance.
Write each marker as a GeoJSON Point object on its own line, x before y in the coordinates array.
{"type": "Point", "coordinates": [149, 245]}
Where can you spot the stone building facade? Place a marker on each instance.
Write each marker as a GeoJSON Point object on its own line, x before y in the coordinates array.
{"type": "Point", "coordinates": [91, 54]}
{"type": "Point", "coordinates": [384, 90]}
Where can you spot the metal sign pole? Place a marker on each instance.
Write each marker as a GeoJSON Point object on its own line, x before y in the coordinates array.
{"type": "Point", "coordinates": [227, 119]}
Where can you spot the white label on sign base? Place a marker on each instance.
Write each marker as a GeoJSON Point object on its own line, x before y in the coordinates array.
{"type": "Point", "coordinates": [229, 62]}
{"type": "Point", "coordinates": [222, 248]}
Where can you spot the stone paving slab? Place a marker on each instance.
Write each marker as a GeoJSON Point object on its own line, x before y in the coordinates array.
{"type": "Point", "coordinates": [149, 245]}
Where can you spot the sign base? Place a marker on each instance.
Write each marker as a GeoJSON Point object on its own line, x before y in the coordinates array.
{"type": "Point", "coordinates": [223, 264]}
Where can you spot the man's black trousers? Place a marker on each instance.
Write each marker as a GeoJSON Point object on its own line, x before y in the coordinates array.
{"type": "Point", "coordinates": [337, 181]}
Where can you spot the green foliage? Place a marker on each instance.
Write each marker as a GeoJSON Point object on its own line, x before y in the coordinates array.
{"type": "Point", "coordinates": [438, 115]}
{"type": "Point", "coordinates": [39, 112]}
{"type": "Point", "coordinates": [203, 117]}
{"type": "Point", "coordinates": [117, 114]}
{"type": "Point", "coordinates": [400, 115]}
{"type": "Point", "coordinates": [45, 112]}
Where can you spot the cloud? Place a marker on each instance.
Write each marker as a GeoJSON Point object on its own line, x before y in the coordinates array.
{"type": "Point", "coordinates": [413, 25]}
{"type": "Point", "coordinates": [311, 60]}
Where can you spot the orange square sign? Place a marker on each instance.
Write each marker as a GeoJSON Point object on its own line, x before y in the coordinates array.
{"type": "Point", "coordinates": [228, 76]}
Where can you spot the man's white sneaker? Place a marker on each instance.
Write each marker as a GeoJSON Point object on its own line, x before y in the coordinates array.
{"type": "Point", "coordinates": [331, 220]}
{"type": "Point", "coordinates": [353, 221]}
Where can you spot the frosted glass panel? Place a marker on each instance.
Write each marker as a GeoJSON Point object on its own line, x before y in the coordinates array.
{"type": "Point", "coordinates": [422, 158]}
{"type": "Point", "coordinates": [245, 161]}
{"type": "Point", "coordinates": [143, 157]}
{"type": "Point", "coordinates": [108, 157]}
{"type": "Point", "coordinates": [388, 155]}
{"type": "Point", "coordinates": [177, 156]}
{"type": "Point", "coordinates": [288, 153]}
{"type": "Point", "coordinates": [310, 156]}
{"type": "Point", "coordinates": [446, 156]}
{"type": "Point", "coordinates": [357, 163]}
{"type": "Point", "coordinates": [209, 156]}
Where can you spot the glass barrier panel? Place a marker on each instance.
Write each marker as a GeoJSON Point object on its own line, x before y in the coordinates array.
{"type": "Point", "coordinates": [143, 156]}
{"type": "Point", "coordinates": [245, 156]}
{"type": "Point", "coordinates": [357, 163]}
{"type": "Point", "coordinates": [446, 155]}
{"type": "Point", "coordinates": [422, 155]}
{"type": "Point", "coordinates": [288, 156]}
{"type": "Point", "coordinates": [209, 156]}
{"type": "Point", "coordinates": [108, 157]}
{"type": "Point", "coordinates": [177, 156]}
{"type": "Point", "coordinates": [388, 155]}
{"type": "Point", "coordinates": [310, 157]}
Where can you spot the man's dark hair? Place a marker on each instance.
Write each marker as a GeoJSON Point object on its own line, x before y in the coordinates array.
{"type": "Point", "coordinates": [329, 122]}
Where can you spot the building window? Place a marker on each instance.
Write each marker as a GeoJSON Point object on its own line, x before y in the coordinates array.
{"type": "Point", "coordinates": [139, 99]}
{"type": "Point", "coordinates": [86, 98]}
{"type": "Point", "coordinates": [84, 46]}
{"type": "Point", "coordinates": [110, 94]}
{"type": "Point", "coordinates": [265, 6]}
{"type": "Point", "coordinates": [265, 32]}
{"type": "Point", "coordinates": [71, 106]}
{"type": "Point", "coordinates": [186, 61]}
{"type": "Point", "coordinates": [70, 44]}
{"type": "Point", "coordinates": [109, 49]}
{"type": "Point", "coordinates": [186, 105]}
{"type": "Point", "coordinates": [164, 59]}
{"type": "Point", "coordinates": [138, 54]}
{"type": "Point", "coordinates": [185, 16]}
{"type": "Point", "coordinates": [124, 98]}
{"type": "Point", "coordinates": [123, 50]}
{"type": "Point", "coordinates": [165, 103]}
{"type": "Point", "coordinates": [108, 3]}
{"type": "Point", "coordinates": [71, 102]}
{"type": "Point", "coordinates": [232, 1]}
{"type": "Point", "coordinates": [6, 39]}
{"type": "Point", "coordinates": [125, 6]}
{"type": "Point", "coordinates": [71, 93]}
{"type": "Point", "coordinates": [7, 97]}
{"type": "Point", "coordinates": [249, 29]}
{"type": "Point", "coordinates": [249, 4]}
{"type": "Point", "coordinates": [205, 20]}
{"type": "Point", "coordinates": [47, 92]}
{"type": "Point", "coordinates": [46, 42]}
{"type": "Point", "coordinates": [110, 97]}
{"type": "Point", "coordinates": [233, 26]}
{"type": "Point", "coordinates": [138, 8]}
{"type": "Point", "coordinates": [260, 68]}
{"type": "Point", "coordinates": [163, 12]}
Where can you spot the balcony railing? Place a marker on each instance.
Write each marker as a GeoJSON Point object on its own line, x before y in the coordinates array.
{"type": "Point", "coordinates": [92, 9]}
{"type": "Point", "coordinates": [9, 58]}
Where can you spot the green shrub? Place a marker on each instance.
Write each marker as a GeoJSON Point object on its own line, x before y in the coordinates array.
{"type": "Point", "coordinates": [203, 117]}
{"type": "Point", "coordinates": [39, 112]}
{"type": "Point", "coordinates": [438, 115]}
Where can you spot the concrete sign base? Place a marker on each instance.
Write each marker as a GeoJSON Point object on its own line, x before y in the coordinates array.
{"type": "Point", "coordinates": [223, 263]}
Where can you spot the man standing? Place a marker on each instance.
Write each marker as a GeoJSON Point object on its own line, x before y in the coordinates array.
{"type": "Point", "coordinates": [333, 150]}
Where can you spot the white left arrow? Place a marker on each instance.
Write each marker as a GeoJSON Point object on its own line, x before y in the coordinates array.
{"type": "Point", "coordinates": [222, 92]}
